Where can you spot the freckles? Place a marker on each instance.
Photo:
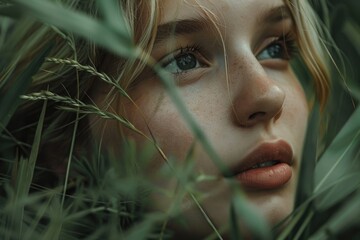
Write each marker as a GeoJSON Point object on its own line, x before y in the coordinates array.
{"type": "Point", "coordinates": [171, 132]}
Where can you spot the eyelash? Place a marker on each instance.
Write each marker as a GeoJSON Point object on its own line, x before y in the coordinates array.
{"type": "Point", "coordinates": [291, 44]}
{"type": "Point", "coordinates": [190, 49]}
{"type": "Point", "coordinates": [288, 42]}
{"type": "Point", "coordinates": [194, 49]}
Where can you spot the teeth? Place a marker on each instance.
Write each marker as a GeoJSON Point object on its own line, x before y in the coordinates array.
{"type": "Point", "coordinates": [265, 164]}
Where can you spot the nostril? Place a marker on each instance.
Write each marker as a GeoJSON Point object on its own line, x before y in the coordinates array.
{"type": "Point", "coordinates": [256, 115]}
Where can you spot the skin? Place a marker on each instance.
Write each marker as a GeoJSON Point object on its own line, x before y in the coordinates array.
{"type": "Point", "coordinates": [260, 101]}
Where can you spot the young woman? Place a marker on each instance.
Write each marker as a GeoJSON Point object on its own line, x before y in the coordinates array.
{"type": "Point", "coordinates": [230, 61]}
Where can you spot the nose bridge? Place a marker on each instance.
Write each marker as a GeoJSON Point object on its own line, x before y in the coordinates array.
{"type": "Point", "coordinates": [257, 98]}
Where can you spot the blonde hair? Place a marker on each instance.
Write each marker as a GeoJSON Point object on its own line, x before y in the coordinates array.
{"type": "Point", "coordinates": [312, 46]}
{"type": "Point", "coordinates": [75, 64]}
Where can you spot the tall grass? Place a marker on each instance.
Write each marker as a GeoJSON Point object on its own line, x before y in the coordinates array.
{"type": "Point", "coordinates": [105, 199]}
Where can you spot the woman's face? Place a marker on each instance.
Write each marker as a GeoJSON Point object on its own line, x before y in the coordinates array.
{"type": "Point", "coordinates": [230, 61]}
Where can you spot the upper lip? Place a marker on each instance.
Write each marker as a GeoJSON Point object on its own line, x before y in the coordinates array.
{"type": "Point", "coordinates": [280, 151]}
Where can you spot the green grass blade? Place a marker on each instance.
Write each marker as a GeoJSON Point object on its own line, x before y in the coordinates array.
{"type": "Point", "coordinates": [10, 11]}
{"type": "Point", "coordinates": [338, 159]}
{"type": "Point", "coordinates": [114, 16]}
{"type": "Point", "coordinates": [81, 25]}
{"type": "Point", "coordinates": [24, 177]}
{"type": "Point", "coordinates": [142, 229]}
{"type": "Point", "coordinates": [340, 191]}
{"type": "Point", "coordinates": [347, 217]}
{"type": "Point", "coordinates": [10, 100]}
{"type": "Point", "coordinates": [56, 214]}
{"type": "Point", "coordinates": [35, 150]}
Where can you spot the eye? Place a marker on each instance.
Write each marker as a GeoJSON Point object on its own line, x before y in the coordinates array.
{"type": "Point", "coordinates": [282, 48]}
{"type": "Point", "coordinates": [184, 60]}
{"type": "Point", "coordinates": [181, 63]}
{"type": "Point", "coordinates": [274, 51]}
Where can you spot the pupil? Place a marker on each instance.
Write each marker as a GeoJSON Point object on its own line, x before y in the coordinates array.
{"type": "Point", "coordinates": [275, 51]}
{"type": "Point", "coordinates": [186, 61]}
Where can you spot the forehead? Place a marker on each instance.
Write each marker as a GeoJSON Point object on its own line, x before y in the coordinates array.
{"type": "Point", "coordinates": [222, 10]}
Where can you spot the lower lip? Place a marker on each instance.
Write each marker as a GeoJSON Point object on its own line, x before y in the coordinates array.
{"type": "Point", "coordinates": [266, 177]}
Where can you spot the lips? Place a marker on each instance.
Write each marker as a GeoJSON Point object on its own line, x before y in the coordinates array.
{"type": "Point", "coordinates": [269, 166]}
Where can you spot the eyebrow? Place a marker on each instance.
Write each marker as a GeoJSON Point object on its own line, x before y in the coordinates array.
{"type": "Point", "coordinates": [180, 27]}
{"type": "Point", "coordinates": [274, 15]}
{"type": "Point", "coordinates": [193, 25]}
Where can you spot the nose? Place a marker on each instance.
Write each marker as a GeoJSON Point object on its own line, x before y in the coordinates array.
{"type": "Point", "coordinates": [259, 100]}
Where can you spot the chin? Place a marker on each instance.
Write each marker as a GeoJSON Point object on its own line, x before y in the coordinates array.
{"type": "Point", "coordinates": [275, 205]}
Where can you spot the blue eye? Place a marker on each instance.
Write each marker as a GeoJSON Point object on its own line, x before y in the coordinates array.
{"type": "Point", "coordinates": [182, 63]}
{"type": "Point", "coordinates": [274, 51]}
{"type": "Point", "coordinates": [187, 59]}
{"type": "Point", "coordinates": [282, 48]}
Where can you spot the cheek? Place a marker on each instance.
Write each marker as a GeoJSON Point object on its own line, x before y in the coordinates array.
{"type": "Point", "coordinates": [298, 105]}
{"type": "Point", "coordinates": [296, 112]}
{"type": "Point", "coordinates": [171, 133]}
{"type": "Point", "coordinates": [158, 118]}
